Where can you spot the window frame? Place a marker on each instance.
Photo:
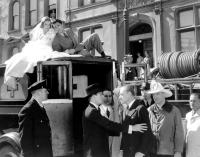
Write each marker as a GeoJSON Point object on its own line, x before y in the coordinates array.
{"type": "Point", "coordinates": [27, 11]}
{"type": "Point", "coordinates": [194, 27]}
{"type": "Point", "coordinates": [80, 3]}
{"type": "Point", "coordinates": [11, 20]}
{"type": "Point", "coordinates": [90, 28]}
{"type": "Point", "coordinates": [28, 14]}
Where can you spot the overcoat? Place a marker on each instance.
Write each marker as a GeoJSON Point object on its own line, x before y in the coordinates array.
{"type": "Point", "coordinates": [96, 129]}
{"type": "Point", "coordinates": [167, 126]}
{"type": "Point", "coordinates": [35, 131]}
{"type": "Point", "coordinates": [137, 141]}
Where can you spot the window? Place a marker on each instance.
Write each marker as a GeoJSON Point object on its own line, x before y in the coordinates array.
{"type": "Point", "coordinates": [41, 9]}
{"type": "Point", "coordinates": [14, 9]}
{"type": "Point", "coordinates": [52, 9]}
{"type": "Point", "coordinates": [0, 20]}
{"type": "Point", "coordinates": [87, 2]}
{"type": "Point", "coordinates": [36, 9]}
{"type": "Point", "coordinates": [16, 16]}
{"type": "Point", "coordinates": [31, 12]}
{"type": "Point", "coordinates": [85, 32]}
{"type": "Point", "coordinates": [188, 31]}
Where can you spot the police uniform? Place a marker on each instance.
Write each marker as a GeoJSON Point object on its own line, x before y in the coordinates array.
{"type": "Point", "coordinates": [34, 128]}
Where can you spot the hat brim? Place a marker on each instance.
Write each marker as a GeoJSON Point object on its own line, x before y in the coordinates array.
{"type": "Point", "coordinates": [167, 93]}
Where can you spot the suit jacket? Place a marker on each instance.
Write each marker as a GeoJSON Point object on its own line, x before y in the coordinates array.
{"type": "Point", "coordinates": [68, 41]}
{"type": "Point", "coordinates": [95, 132]}
{"type": "Point", "coordinates": [35, 131]}
{"type": "Point", "coordinates": [62, 43]}
{"type": "Point", "coordinates": [137, 141]}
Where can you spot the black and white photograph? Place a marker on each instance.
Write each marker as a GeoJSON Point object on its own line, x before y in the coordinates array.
{"type": "Point", "coordinates": [99, 78]}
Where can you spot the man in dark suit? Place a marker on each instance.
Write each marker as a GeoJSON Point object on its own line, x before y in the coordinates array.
{"type": "Point", "coordinates": [65, 41]}
{"type": "Point", "coordinates": [96, 127]}
{"type": "Point", "coordinates": [34, 128]}
{"type": "Point", "coordinates": [136, 144]}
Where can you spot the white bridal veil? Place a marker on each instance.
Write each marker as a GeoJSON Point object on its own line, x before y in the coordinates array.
{"type": "Point", "coordinates": [36, 32]}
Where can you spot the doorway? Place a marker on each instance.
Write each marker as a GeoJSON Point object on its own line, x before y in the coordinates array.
{"type": "Point", "coordinates": [140, 41]}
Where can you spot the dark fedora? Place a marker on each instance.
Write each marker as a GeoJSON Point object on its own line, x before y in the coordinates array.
{"type": "Point", "coordinates": [37, 85]}
{"type": "Point", "coordinates": [93, 89]}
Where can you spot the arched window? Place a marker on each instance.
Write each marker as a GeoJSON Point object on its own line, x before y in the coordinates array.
{"type": "Point", "coordinates": [14, 15]}
{"type": "Point", "coordinates": [31, 12]}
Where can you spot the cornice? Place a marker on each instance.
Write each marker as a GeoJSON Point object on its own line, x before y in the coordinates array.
{"type": "Point", "coordinates": [88, 7]}
{"type": "Point", "coordinates": [100, 18]}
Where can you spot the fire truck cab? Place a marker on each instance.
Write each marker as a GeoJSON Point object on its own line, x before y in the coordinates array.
{"type": "Point", "coordinates": [67, 79]}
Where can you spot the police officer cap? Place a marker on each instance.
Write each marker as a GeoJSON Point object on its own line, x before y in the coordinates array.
{"type": "Point", "coordinates": [37, 85]}
{"type": "Point", "coordinates": [93, 89]}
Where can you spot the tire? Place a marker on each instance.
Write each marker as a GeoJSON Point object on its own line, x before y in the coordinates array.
{"type": "Point", "coordinates": [7, 150]}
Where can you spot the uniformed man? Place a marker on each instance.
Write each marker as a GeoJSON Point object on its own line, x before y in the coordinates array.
{"type": "Point", "coordinates": [34, 128]}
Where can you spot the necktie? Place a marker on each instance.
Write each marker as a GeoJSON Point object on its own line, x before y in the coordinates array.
{"type": "Point", "coordinates": [127, 109]}
{"type": "Point", "coordinates": [108, 113]}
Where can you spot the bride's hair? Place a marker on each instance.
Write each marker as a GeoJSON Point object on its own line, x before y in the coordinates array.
{"type": "Point", "coordinates": [43, 20]}
{"type": "Point", "coordinates": [37, 30]}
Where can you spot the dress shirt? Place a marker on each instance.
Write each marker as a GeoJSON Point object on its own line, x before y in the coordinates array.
{"type": "Point", "coordinates": [193, 134]}
{"type": "Point", "coordinates": [131, 103]}
{"type": "Point", "coordinates": [104, 110]}
{"type": "Point", "coordinates": [95, 105]}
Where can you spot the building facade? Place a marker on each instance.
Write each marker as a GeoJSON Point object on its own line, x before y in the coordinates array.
{"type": "Point", "coordinates": [155, 26]}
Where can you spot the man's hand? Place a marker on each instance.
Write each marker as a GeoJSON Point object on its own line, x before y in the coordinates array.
{"type": "Point", "coordinates": [139, 127]}
{"type": "Point", "coordinates": [177, 154]}
{"type": "Point", "coordinates": [138, 154]}
{"type": "Point", "coordinates": [79, 48]}
{"type": "Point", "coordinates": [70, 51]}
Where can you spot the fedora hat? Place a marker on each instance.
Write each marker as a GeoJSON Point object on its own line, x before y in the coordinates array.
{"type": "Point", "coordinates": [93, 89]}
{"type": "Point", "coordinates": [37, 85]}
{"type": "Point", "coordinates": [156, 87]}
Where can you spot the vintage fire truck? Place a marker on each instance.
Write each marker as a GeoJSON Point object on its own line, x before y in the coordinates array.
{"type": "Point", "coordinates": [178, 71]}
{"type": "Point", "coordinates": [67, 78]}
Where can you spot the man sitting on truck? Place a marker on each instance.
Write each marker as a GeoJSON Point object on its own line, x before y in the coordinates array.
{"type": "Point", "coordinates": [65, 41]}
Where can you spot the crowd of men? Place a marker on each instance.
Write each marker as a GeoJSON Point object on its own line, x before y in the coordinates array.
{"type": "Point", "coordinates": [117, 124]}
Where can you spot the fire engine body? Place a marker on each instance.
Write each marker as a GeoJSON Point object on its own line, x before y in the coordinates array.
{"type": "Point", "coordinates": [67, 79]}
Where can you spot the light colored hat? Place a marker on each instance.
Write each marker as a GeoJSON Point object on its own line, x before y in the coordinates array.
{"type": "Point", "coordinates": [156, 87]}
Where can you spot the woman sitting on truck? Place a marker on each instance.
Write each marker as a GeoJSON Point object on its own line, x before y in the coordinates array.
{"type": "Point", "coordinates": [39, 48]}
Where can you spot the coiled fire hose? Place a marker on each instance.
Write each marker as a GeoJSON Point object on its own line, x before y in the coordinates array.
{"type": "Point", "coordinates": [179, 64]}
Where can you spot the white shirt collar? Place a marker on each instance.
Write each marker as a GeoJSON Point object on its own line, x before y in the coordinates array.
{"type": "Point", "coordinates": [95, 105]}
{"type": "Point", "coordinates": [197, 113]}
{"type": "Point", "coordinates": [104, 107]}
{"type": "Point", "coordinates": [130, 104]}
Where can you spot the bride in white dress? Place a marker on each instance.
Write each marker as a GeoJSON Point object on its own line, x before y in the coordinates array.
{"type": "Point", "coordinates": [39, 48]}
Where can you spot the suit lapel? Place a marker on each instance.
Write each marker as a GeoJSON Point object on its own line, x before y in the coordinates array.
{"type": "Point", "coordinates": [132, 109]}
{"type": "Point", "coordinates": [91, 105]}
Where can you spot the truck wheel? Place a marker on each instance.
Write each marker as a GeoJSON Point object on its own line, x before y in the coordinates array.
{"type": "Point", "coordinates": [8, 151]}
